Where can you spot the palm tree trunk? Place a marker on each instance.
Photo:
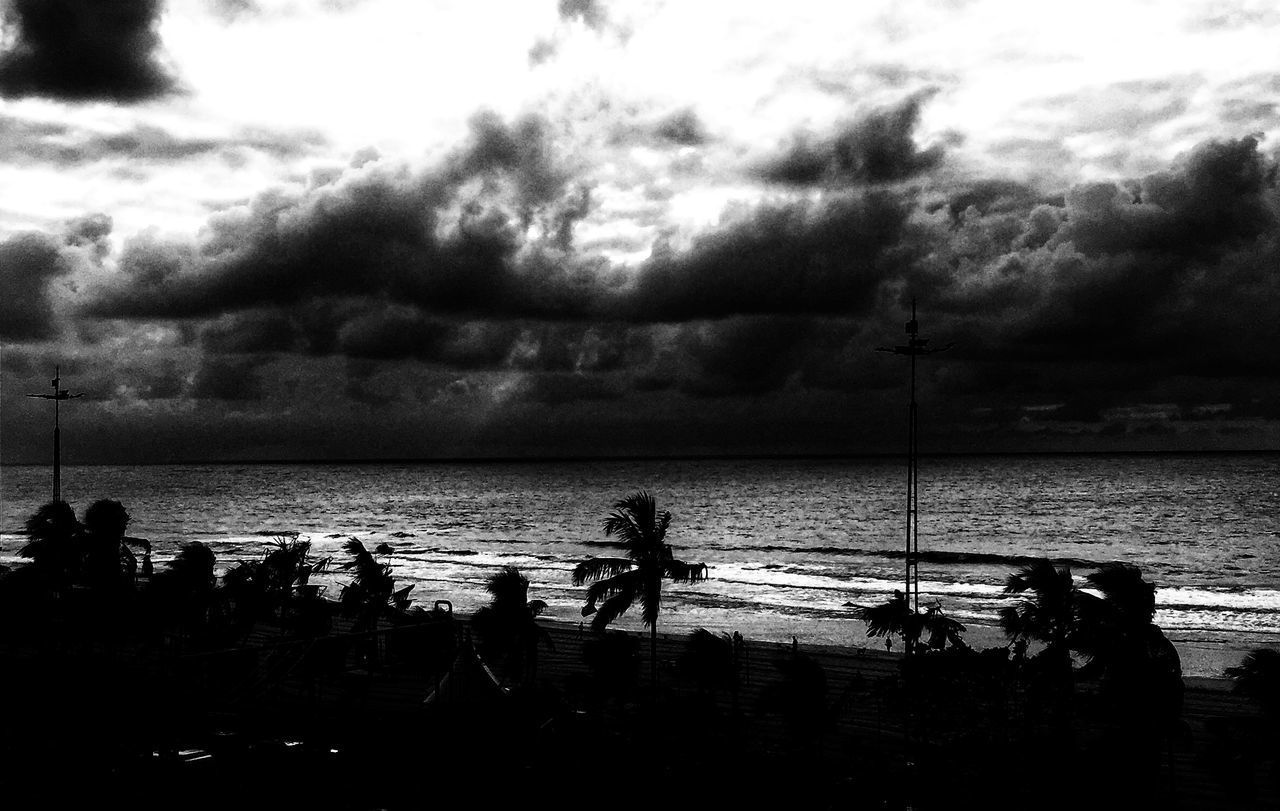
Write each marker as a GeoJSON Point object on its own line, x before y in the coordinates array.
{"type": "Point", "coordinates": [653, 659]}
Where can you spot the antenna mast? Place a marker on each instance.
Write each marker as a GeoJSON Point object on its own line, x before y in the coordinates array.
{"type": "Point", "coordinates": [59, 394]}
{"type": "Point", "coordinates": [914, 347]}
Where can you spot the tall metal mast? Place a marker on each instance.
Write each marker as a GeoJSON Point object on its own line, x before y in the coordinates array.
{"type": "Point", "coordinates": [914, 347]}
{"type": "Point", "coordinates": [59, 394]}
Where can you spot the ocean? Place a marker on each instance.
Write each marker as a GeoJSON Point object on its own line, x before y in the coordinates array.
{"type": "Point", "coordinates": [792, 546]}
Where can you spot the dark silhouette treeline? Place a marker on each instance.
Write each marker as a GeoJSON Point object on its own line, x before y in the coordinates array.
{"type": "Point", "coordinates": [172, 686]}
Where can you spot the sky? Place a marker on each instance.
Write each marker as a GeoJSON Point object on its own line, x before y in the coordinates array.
{"type": "Point", "coordinates": [355, 229]}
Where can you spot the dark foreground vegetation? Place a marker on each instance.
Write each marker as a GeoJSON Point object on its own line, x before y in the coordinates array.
{"type": "Point", "coordinates": [177, 688]}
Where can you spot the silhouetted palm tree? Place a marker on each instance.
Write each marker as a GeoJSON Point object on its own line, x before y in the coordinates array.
{"type": "Point", "coordinates": [53, 532]}
{"type": "Point", "coordinates": [1258, 676]}
{"type": "Point", "coordinates": [1138, 669]}
{"type": "Point", "coordinates": [895, 617]}
{"type": "Point", "coordinates": [616, 583]}
{"type": "Point", "coordinates": [372, 588]}
{"type": "Point", "coordinates": [1114, 628]}
{"type": "Point", "coordinates": [891, 618]}
{"type": "Point", "coordinates": [943, 631]}
{"type": "Point", "coordinates": [108, 561]}
{"type": "Point", "coordinates": [259, 588]}
{"type": "Point", "coordinates": [1046, 612]}
{"type": "Point", "coordinates": [183, 591]}
{"type": "Point", "coordinates": [709, 660]}
{"type": "Point", "coordinates": [507, 627]}
{"type": "Point", "coordinates": [712, 662]}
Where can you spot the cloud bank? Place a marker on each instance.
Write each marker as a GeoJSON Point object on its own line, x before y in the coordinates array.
{"type": "Point", "coordinates": [84, 50]}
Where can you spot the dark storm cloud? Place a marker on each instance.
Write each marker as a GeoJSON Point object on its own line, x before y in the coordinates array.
{"type": "Point", "coordinates": [747, 355]}
{"type": "Point", "coordinates": [582, 348]}
{"type": "Point", "coordinates": [828, 257]}
{"type": "Point", "coordinates": [992, 196]}
{"type": "Point", "coordinates": [560, 388]}
{"type": "Point", "coordinates": [28, 263]}
{"type": "Point", "coordinates": [444, 240]}
{"type": "Point", "coordinates": [399, 332]}
{"type": "Point", "coordinates": [524, 149]}
{"type": "Point", "coordinates": [84, 50]}
{"type": "Point", "coordinates": [250, 333]}
{"type": "Point", "coordinates": [395, 333]}
{"type": "Point", "coordinates": [96, 374]}
{"type": "Point", "coordinates": [1122, 284]}
{"type": "Point", "coordinates": [227, 379]}
{"type": "Point", "coordinates": [1064, 309]}
{"type": "Point", "coordinates": [1225, 192]}
{"type": "Point", "coordinates": [876, 148]}
{"type": "Point", "coordinates": [29, 142]}
{"type": "Point", "coordinates": [455, 241]}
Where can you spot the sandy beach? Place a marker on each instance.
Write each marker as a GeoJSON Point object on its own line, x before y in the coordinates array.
{"type": "Point", "coordinates": [858, 739]}
{"type": "Point", "coordinates": [408, 715]}
{"type": "Point", "coordinates": [866, 723]}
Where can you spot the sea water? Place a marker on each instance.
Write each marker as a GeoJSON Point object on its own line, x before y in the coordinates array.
{"type": "Point", "coordinates": [792, 546]}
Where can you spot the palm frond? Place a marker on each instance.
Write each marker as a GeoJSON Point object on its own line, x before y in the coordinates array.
{"type": "Point", "coordinates": [638, 522]}
{"type": "Point", "coordinates": [600, 568]}
{"type": "Point", "coordinates": [194, 565]}
{"type": "Point", "coordinates": [942, 630]}
{"type": "Point", "coordinates": [624, 526]}
{"type": "Point", "coordinates": [53, 521]}
{"type": "Point", "coordinates": [1040, 575]}
{"type": "Point", "coordinates": [682, 572]}
{"type": "Point", "coordinates": [1012, 622]}
{"type": "Point", "coordinates": [623, 583]}
{"type": "Point", "coordinates": [1048, 606]}
{"type": "Point", "coordinates": [1258, 672]}
{"type": "Point", "coordinates": [610, 610]}
{"type": "Point", "coordinates": [1123, 588]}
{"type": "Point", "coordinates": [708, 658]}
{"type": "Point", "coordinates": [887, 618]}
{"type": "Point", "coordinates": [508, 586]}
{"type": "Point", "coordinates": [354, 548]}
{"type": "Point", "coordinates": [400, 597]}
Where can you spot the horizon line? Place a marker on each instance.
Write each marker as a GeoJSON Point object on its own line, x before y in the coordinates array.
{"type": "Point", "coordinates": [704, 457]}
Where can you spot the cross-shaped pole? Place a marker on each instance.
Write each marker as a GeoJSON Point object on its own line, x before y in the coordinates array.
{"type": "Point", "coordinates": [59, 394]}
{"type": "Point", "coordinates": [914, 347]}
